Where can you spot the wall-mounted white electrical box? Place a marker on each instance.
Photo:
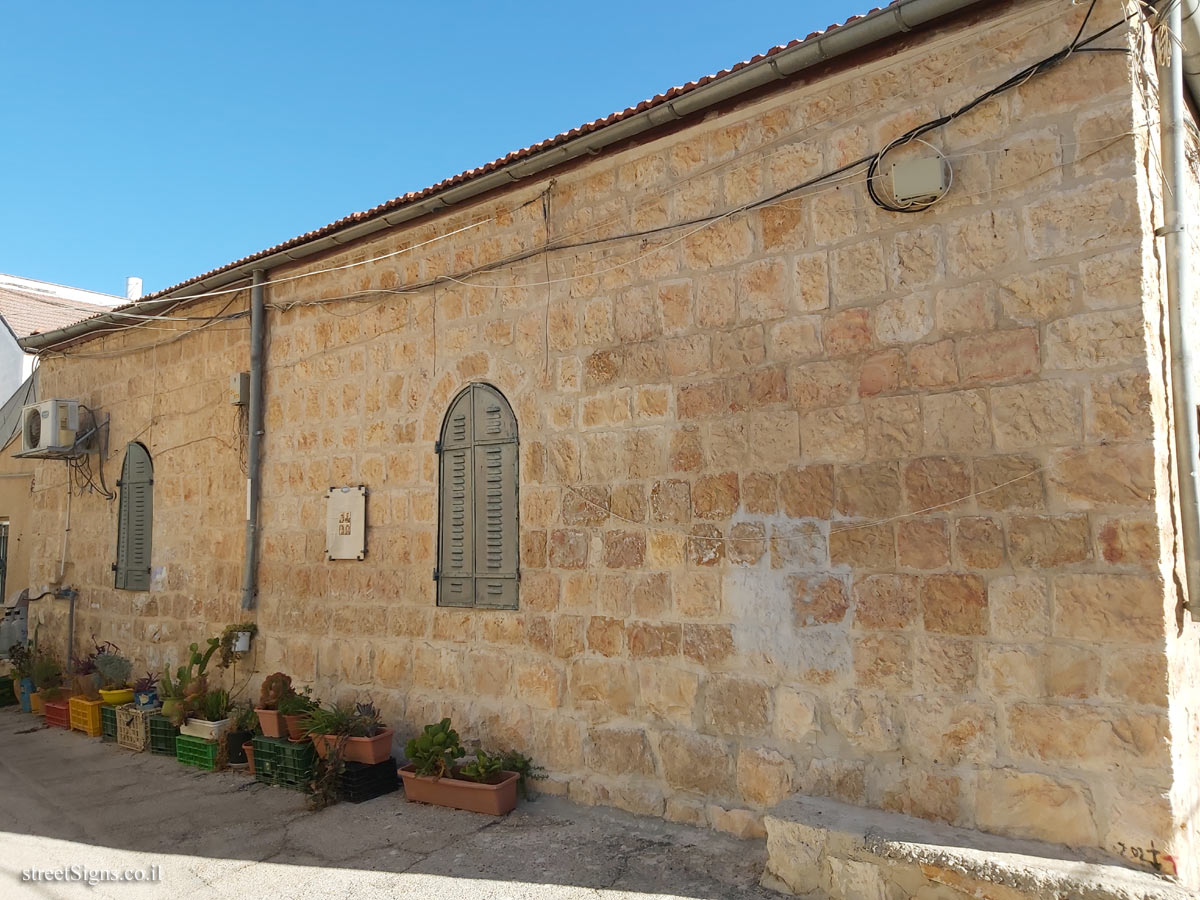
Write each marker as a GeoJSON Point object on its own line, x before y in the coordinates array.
{"type": "Point", "coordinates": [239, 388]}
{"type": "Point", "coordinates": [920, 180]}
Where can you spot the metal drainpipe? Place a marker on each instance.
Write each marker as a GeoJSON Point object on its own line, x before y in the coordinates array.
{"type": "Point", "coordinates": [1177, 247]}
{"type": "Point", "coordinates": [253, 468]}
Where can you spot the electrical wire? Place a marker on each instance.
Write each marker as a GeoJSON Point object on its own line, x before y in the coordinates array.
{"type": "Point", "coordinates": [1014, 81]}
{"type": "Point", "coordinates": [707, 170]}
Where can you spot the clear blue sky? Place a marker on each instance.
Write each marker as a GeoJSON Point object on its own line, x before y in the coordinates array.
{"type": "Point", "coordinates": [164, 139]}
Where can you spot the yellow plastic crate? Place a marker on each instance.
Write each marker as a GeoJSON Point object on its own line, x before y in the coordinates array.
{"type": "Point", "coordinates": [85, 716]}
{"type": "Point", "coordinates": [133, 727]}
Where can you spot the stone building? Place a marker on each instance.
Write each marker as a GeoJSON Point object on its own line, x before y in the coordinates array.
{"type": "Point", "coordinates": [804, 495]}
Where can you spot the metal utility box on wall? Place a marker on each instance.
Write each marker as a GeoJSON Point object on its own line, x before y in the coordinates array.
{"type": "Point", "coordinates": [239, 388]}
{"type": "Point", "coordinates": [346, 523]}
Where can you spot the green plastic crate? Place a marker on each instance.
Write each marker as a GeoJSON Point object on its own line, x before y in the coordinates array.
{"type": "Point", "coordinates": [194, 751]}
{"type": "Point", "coordinates": [281, 762]}
{"type": "Point", "coordinates": [7, 697]}
{"type": "Point", "coordinates": [266, 758]}
{"type": "Point", "coordinates": [162, 736]}
{"type": "Point", "coordinates": [108, 723]}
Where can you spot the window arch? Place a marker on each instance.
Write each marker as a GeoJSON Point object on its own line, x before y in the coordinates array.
{"type": "Point", "coordinates": [135, 520]}
{"type": "Point", "coordinates": [477, 502]}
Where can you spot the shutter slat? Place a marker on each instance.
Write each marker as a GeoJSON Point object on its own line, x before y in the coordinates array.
{"type": "Point", "coordinates": [457, 564]}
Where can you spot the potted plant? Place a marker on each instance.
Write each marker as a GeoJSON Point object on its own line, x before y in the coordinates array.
{"type": "Point", "coordinates": [84, 676]}
{"type": "Point", "coordinates": [433, 775]}
{"type": "Point", "coordinates": [211, 719]}
{"type": "Point", "coordinates": [274, 688]}
{"type": "Point", "coordinates": [235, 641]}
{"type": "Point", "coordinates": [145, 691]}
{"type": "Point", "coordinates": [113, 670]}
{"type": "Point", "coordinates": [294, 708]}
{"type": "Point", "coordinates": [47, 678]}
{"type": "Point", "coordinates": [357, 729]}
{"type": "Point", "coordinates": [190, 683]}
{"type": "Point", "coordinates": [21, 658]}
{"type": "Point", "coordinates": [241, 732]}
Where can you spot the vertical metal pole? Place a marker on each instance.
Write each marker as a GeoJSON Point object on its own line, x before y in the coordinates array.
{"type": "Point", "coordinates": [1177, 246]}
{"type": "Point", "coordinates": [253, 468]}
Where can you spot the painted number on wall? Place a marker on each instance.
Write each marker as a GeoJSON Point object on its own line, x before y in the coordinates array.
{"type": "Point", "coordinates": [1149, 856]}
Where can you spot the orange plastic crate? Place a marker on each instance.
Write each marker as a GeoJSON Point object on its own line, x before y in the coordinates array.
{"type": "Point", "coordinates": [85, 716]}
{"type": "Point", "coordinates": [58, 713]}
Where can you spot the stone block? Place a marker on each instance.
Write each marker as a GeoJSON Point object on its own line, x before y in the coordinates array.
{"type": "Point", "coordinates": [692, 762]}
{"type": "Point", "coordinates": [715, 496]}
{"type": "Point", "coordinates": [957, 421]}
{"type": "Point", "coordinates": [764, 777]}
{"type": "Point", "coordinates": [619, 751]}
{"type": "Point", "coordinates": [1114, 475]}
{"type": "Point", "coordinates": [668, 693]}
{"type": "Point", "coordinates": [978, 542]}
{"type": "Point", "coordinates": [707, 644]}
{"type": "Point", "coordinates": [1036, 415]}
{"type": "Point", "coordinates": [923, 543]}
{"type": "Point", "coordinates": [807, 492]}
{"type": "Point", "coordinates": [999, 355]}
{"type": "Point", "coordinates": [947, 731]}
{"type": "Point", "coordinates": [865, 546]}
{"type": "Point", "coordinates": [870, 491]}
{"type": "Point", "coordinates": [1009, 482]}
{"type": "Point", "coordinates": [1029, 805]}
{"type": "Point", "coordinates": [1046, 542]}
{"type": "Point", "coordinates": [865, 721]}
{"type": "Point", "coordinates": [883, 661]}
{"type": "Point", "coordinates": [795, 715]}
{"type": "Point", "coordinates": [955, 604]}
{"type": "Point", "coordinates": [737, 705]}
{"type": "Point", "coordinates": [1087, 737]}
{"type": "Point", "coordinates": [817, 600]}
{"type": "Point", "coordinates": [885, 601]}
{"type": "Point", "coordinates": [1126, 608]}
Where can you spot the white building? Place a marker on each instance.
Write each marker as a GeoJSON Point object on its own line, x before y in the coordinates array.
{"type": "Point", "coordinates": [28, 307]}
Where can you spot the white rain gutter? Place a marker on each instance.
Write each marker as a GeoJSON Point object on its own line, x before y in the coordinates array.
{"type": "Point", "coordinates": [1178, 71]}
{"type": "Point", "coordinates": [880, 25]}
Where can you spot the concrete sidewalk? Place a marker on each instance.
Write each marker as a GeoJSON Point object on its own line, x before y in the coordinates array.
{"type": "Point", "coordinates": [67, 800]}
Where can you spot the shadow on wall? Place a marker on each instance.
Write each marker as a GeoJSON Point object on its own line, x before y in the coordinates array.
{"type": "Point", "coordinates": [105, 807]}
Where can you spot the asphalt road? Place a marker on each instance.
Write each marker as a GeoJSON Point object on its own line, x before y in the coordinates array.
{"type": "Point", "coordinates": [73, 804]}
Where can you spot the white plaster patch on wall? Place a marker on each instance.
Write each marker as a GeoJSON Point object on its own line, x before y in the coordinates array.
{"type": "Point", "coordinates": [764, 599]}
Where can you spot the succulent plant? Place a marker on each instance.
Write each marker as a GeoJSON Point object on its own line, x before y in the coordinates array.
{"type": "Point", "coordinates": [274, 688]}
{"type": "Point", "coordinates": [435, 750]}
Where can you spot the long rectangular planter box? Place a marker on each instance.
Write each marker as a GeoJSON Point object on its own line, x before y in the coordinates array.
{"type": "Point", "coordinates": [204, 729]}
{"type": "Point", "coordinates": [490, 799]}
{"type": "Point", "coordinates": [357, 749]}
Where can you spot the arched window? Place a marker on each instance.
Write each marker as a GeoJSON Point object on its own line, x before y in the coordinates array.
{"type": "Point", "coordinates": [477, 502]}
{"type": "Point", "coordinates": [135, 520]}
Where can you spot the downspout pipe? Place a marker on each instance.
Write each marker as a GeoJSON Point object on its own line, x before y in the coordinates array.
{"type": "Point", "coordinates": [1177, 249]}
{"type": "Point", "coordinates": [254, 449]}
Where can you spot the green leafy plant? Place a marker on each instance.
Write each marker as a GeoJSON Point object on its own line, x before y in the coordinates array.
{"type": "Point", "coordinates": [214, 705]}
{"type": "Point", "coordinates": [114, 670]}
{"type": "Point", "coordinates": [294, 704]}
{"type": "Point", "coordinates": [344, 720]}
{"type": "Point", "coordinates": [47, 673]}
{"type": "Point", "coordinates": [226, 653]}
{"type": "Point", "coordinates": [435, 750]}
{"type": "Point", "coordinates": [484, 768]}
{"type": "Point", "coordinates": [274, 688]}
{"type": "Point", "coordinates": [21, 658]}
{"type": "Point", "coordinates": [512, 761]}
{"type": "Point", "coordinates": [322, 789]}
{"type": "Point", "coordinates": [244, 717]}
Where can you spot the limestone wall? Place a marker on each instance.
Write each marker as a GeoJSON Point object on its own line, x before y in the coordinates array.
{"type": "Point", "coordinates": [813, 498]}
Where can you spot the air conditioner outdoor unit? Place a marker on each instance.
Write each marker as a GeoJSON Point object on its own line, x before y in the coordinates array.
{"type": "Point", "coordinates": [49, 425]}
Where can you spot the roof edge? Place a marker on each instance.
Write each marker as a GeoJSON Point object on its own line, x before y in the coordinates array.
{"type": "Point", "coordinates": [780, 63]}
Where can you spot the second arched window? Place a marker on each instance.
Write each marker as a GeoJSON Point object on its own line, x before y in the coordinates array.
{"type": "Point", "coordinates": [477, 502]}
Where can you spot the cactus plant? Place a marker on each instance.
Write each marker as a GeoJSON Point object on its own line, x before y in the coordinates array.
{"type": "Point", "coordinates": [274, 688]}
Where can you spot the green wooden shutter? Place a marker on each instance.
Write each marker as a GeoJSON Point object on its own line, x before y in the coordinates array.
{"type": "Point", "coordinates": [135, 520]}
{"type": "Point", "coordinates": [456, 517]}
{"type": "Point", "coordinates": [477, 539]}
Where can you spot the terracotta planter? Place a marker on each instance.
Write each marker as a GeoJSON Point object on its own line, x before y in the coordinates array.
{"type": "Point", "coordinates": [249, 748]}
{"type": "Point", "coordinates": [490, 799]}
{"type": "Point", "coordinates": [294, 727]}
{"type": "Point", "coordinates": [370, 750]}
{"type": "Point", "coordinates": [271, 723]}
